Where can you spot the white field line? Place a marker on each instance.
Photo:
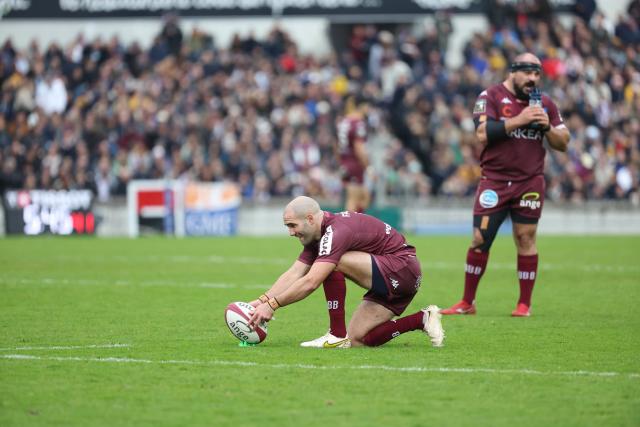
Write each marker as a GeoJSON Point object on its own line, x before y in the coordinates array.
{"type": "Point", "coordinates": [213, 259]}
{"type": "Point", "coordinates": [67, 347]}
{"type": "Point", "coordinates": [121, 282]}
{"type": "Point", "coordinates": [419, 369]}
{"type": "Point", "coordinates": [426, 264]}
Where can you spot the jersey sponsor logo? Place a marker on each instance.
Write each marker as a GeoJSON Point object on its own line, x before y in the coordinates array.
{"type": "Point", "coordinates": [526, 133]}
{"type": "Point", "coordinates": [326, 241]}
{"type": "Point", "coordinates": [387, 229]}
{"type": "Point", "coordinates": [343, 135]}
{"type": "Point", "coordinates": [480, 107]}
{"type": "Point", "coordinates": [530, 200]}
{"type": "Point", "coordinates": [488, 199]}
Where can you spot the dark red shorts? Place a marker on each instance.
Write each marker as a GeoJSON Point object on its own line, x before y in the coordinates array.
{"type": "Point", "coordinates": [522, 198]}
{"type": "Point", "coordinates": [352, 172]}
{"type": "Point", "coordinates": [402, 276]}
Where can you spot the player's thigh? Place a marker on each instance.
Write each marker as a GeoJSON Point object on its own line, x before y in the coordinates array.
{"type": "Point", "coordinates": [357, 197]}
{"type": "Point", "coordinates": [491, 196]}
{"type": "Point", "coordinates": [367, 316]}
{"type": "Point", "coordinates": [357, 267]}
{"type": "Point", "coordinates": [527, 200]}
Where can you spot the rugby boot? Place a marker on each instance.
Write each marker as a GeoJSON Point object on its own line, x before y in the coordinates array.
{"type": "Point", "coordinates": [328, 340]}
{"type": "Point", "coordinates": [432, 325]}
{"type": "Point", "coordinates": [522, 310]}
{"type": "Point", "coordinates": [462, 307]}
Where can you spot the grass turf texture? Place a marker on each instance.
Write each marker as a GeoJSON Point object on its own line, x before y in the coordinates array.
{"type": "Point", "coordinates": [164, 299]}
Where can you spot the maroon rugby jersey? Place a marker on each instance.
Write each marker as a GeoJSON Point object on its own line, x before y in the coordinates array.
{"type": "Point", "coordinates": [350, 130]}
{"type": "Point", "coordinates": [350, 231]}
{"type": "Point", "coordinates": [520, 156]}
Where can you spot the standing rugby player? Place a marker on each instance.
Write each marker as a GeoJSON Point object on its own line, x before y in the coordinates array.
{"type": "Point", "coordinates": [511, 127]}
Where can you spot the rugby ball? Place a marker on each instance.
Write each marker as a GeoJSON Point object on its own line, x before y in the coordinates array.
{"type": "Point", "coordinates": [237, 315]}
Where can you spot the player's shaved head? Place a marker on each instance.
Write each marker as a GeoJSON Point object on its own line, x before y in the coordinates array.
{"type": "Point", "coordinates": [303, 217]}
{"type": "Point", "coordinates": [302, 206]}
{"type": "Point", "coordinates": [527, 57]}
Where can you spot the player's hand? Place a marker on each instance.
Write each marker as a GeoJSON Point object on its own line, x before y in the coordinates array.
{"type": "Point", "coordinates": [262, 313]}
{"type": "Point", "coordinates": [533, 114]}
{"type": "Point", "coordinates": [255, 303]}
{"type": "Point", "coordinates": [542, 118]}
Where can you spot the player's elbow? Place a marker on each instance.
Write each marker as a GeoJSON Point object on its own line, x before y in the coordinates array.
{"type": "Point", "coordinates": [562, 144]}
{"type": "Point", "coordinates": [482, 137]}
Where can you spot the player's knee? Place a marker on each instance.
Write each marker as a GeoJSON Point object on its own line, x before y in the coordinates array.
{"type": "Point", "coordinates": [477, 241]}
{"type": "Point", "coordinates": [485, 230]}
{"type": "Point", "coordinates": [482, 242]}
{"type": "Point", "coordinates": [356, 343]}
{"type": "Point", "coordinates": [526, 241]}
{"type": "Point", "coordinates": [356, 337]}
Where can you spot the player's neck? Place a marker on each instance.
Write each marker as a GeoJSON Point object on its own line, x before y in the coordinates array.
{"type": "Point", "coordinates": [508, 84]}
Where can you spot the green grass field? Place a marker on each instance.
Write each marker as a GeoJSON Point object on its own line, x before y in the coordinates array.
{"type": "Point", "coordinates": [131, 332]}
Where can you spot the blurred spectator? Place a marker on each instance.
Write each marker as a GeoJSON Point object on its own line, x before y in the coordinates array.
{"type": "Point", "coordinates": [51, 94]}
{"type": "Point", "coordinates": [97, 114]}
{"type": "Point", "coordinates": [585, 9]}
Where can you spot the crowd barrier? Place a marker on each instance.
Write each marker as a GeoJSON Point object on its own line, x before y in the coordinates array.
{"type": "Point", "coordinates": [437, 217]}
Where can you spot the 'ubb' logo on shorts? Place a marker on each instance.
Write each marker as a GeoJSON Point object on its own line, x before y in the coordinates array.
{"type": "Point", "coordinates": [530, 200]}
{"type": "Point", "coordinates": [488, 199]}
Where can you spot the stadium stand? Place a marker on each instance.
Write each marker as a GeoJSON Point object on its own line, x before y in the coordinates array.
{"type": "Point", "coordinates": [96, 114]}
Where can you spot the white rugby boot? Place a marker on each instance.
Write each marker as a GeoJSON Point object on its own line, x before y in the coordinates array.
{"type": "Point", "coordinates": [432, 325]}
{"type": "Point", "coordinates": [328, 340]}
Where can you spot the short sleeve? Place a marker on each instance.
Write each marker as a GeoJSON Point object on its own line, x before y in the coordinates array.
{"type": "Point", "coordinates": [335, 241]}
{"type": "Point", "coordinates": [555, 118]}
{"type": "Point", "coordinates": [307, 256]}
{"type": "Point", "coordinates": [360, 130]}
{"type": "Point", "coordinates": [484, 108]}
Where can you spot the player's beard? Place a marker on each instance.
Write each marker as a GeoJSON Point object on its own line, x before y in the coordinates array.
{"type": "Point", "coordinates": [520, 92]}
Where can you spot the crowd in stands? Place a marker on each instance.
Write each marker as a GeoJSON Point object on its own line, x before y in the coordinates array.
{"type": "Point", "coordinates": [97, 114]}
